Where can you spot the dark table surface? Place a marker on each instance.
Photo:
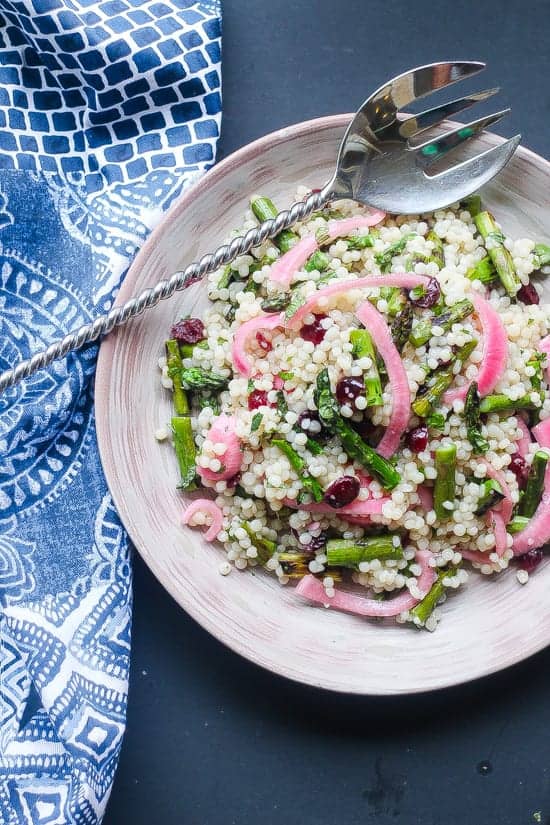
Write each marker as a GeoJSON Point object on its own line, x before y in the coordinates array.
{"type": "Point", "coordinates": [213, 740]}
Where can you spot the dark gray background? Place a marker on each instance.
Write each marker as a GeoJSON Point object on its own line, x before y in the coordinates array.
{"type": "Point", "coordinates": [211, 739]}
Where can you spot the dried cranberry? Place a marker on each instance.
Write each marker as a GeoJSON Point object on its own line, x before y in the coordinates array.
{"type": "Point", "coordinates": [257, 398]}
{"type": "Point", "coordinates": [530, 560]}
{"type": "Point", "coordinates": [519, 467]}
{"type": "Point", "coordinates": [306, 419]}
{"type": "Point", "coordinates": [527, 294]}
{"type": "Point", "coordinates": [188, 331]}
{"type": "Point", "coordinates": [349, 389]}
{"type": "Point", "coordinates": [314, 332]}
{"type": "Point", "coordinates": [431, 294]}
{"type": "Point", "coordinates": [263, 342]}
{"type": "Point", "coordinates": [234, 480]}
{"type": "Point", "coordinates": [342, 491]}
{"type": "Point", "coordinates": [417, 439]}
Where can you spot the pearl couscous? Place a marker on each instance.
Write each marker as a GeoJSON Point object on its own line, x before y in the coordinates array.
{"type": "Point", "coordinates": [372, 442]}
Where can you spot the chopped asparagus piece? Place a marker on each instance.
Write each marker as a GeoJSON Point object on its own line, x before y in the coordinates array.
{"type": "Point", "coordinates": [175, 366]}
{"type": "Point", "coordinates": [401, 327]}
{"type": "Point", "coordinates": [483, 271]}
{"type": "Point", "coordinates": [453, 315]}
{"type": "Point", "coordinates": [363, 347]}
{"type": "Point", "coordinates": [360, 241]}
{"type": "Point", "coordinates": [355, 447]}
{"type": "Point", "coordinates": [206, 399]}
{"type": "Point", "coordinates": [318, 261]}
{"type": "Point", "coordinates": [445, 485]}
{"type": "Point", "coordinates": [264, 209]}
{"type": "Point", "coordinates": [227, 276]}
{"type": "Point", "coordinates": [541, 253]}
{"type": "Point", "coordinates": [197, 378]}
{"type": "Point", "coordinates": [517, 524]}
{"type": "Point", "coordinates": [438, 255]}
{"type": "Point", "coordinates": [537, 362]}
{"type": "Point", "coordinates": [472, 417]}
{"type": "Point", "coordinates": [436, 420]}
{"type": "Point", "coordinates": [490, 493]}
{"type": "Point", "coordinates": [299, 465]}
{"type": "Point", "coordinates": [425, 608]}
{"type": "Point", "coordinates": [188, 350]}
{"type": "Point", "coordinates": [265, 547]}
{"type": "Point", "coordinates": [420, 333]}
{"type": "Point", "coordinates": [282, 406]}
{"type": "Point", "coordinates": [501, 403]}
{"type": "Point", "coordinates": [499, 255]}
{"type": "Point", "coordinates": [276, 303]}
{"type": "Point", "coordinates": [535, 485]}
{"type": "Point", "coordinates": [440, 380]}
{"type": "Point", "coordinates": [184, 446]}
{"type": "Point", "coordinates": [298, 299]}
{"type": "Point", "coordinates": [384, 259]}
{"type": "Point", "coordinates": [350, 553]}
{"type": "Point", "coordinates": [473, 204]}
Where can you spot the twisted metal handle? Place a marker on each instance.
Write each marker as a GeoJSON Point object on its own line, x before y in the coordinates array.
{"type": "Point", "coordinates": [119, 316]}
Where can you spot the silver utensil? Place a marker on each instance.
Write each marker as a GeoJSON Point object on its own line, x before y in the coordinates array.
{"type": "Point", "coordinates": [379, 164]}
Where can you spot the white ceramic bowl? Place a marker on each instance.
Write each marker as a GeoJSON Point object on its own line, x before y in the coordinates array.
{"type": "Point", "coordinates": [491, 624]}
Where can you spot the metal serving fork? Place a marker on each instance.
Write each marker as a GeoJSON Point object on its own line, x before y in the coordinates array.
{"type": "Point", "coordinates": [378, 165]}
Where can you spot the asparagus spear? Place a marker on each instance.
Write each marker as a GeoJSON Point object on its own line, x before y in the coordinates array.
{"type": "Point", "coordinates": [384, 259]}
{"type": "Point", "coordinates": [297, 300]}
{"type": "Point", "coordinates": [394, 298]}
{"type": "Point", "coordinates": [197, 378]}
{"type": "Point", "coordinates": [319, 261]}
{"type": "Point", "coordinates": [353, 444]}
{"type": "Point", "coordinates": [473, 204]}
{"type": "Point", "coordinates": [276, 303]}
{"type": "Point", "coordinates": [350, 553]}
{"type": "Point", "coordinates": [299, 465]}
{"type": "Point", "coordinates": [483, 271]}
{"type": "Point", "coordinates": [420, 333]}
{"type": "Point", "coordinates": [517, 524]}
{"type": "Point", "coordinates": [439, 381]}
{"type": "Point", "coordinates": [184, 442]}
{"type": "Point", "coordinates": [184, 445]}
{"type": "Point", "coordinates": [401, 327]}
{"type": "Point", "coordinates": [360, 241]}
{"type": "Point", "coordinates": [363, 347]}
{"type": "Point", "coordinates": [472, 417]}
{"type": "Point", "coordinates": [175, 366]}
{"type": "Point", "coordinates": [438, 255]}
{"type": "Point", "coordinates": [499, 255]}
{"type": "Point", "coordinates": [265, 547]}
{"type": "Point", "coordinates": [425, 608]}
{"type": "Point", "coordinates": [490, 493]}
{"type": "Point", "coordinates": [535, 485]}
{"type": "Point", "coordinates": [453, 315]}
{"type": "Point", "coordinates": [541, 254]}
{"type": "Point", "coordinates": [444, 486]}
{"type": "Point", "coordinates": [501, 403]}
{"type": "Point", "coordinates": [264, 209]}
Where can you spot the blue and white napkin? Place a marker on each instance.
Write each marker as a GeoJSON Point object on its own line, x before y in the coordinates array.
{"type": "Point", "coordinates": [108, 110]}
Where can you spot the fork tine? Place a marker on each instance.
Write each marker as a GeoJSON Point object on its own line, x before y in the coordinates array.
{"type": "Point", "coordinates": [429, 118]}
{"type": "Point", "coordinates": [480, 169]}
{"type": "Point", "coordinates": [431, 151]}
{"type": "Point", "coordinates": [419, 82]}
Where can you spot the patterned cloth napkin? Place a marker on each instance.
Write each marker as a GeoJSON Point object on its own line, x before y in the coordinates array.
{"type": "Point", "coordinates": [108, 110]}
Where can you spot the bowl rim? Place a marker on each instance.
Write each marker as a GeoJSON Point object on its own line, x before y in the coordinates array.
{"type": "Point", "coordinates": [104, 363]}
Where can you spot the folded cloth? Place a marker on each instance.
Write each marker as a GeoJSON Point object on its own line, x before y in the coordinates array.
{"type": "Point", "coordinates": [107, 112]}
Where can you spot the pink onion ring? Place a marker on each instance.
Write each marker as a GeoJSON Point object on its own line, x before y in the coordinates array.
{"type": "Point", "coordinates": [397, 378]}
{"type": "Point", "coordinates": [209, 508]}
{"type": "Point", "coordinates": [311, 588]}
{"type": "Point", "coordinates": [288, 264]}
{"type": "Point", "coordinates": [244, 333]}
{"type": "Point", "coordinates": [495, 352]}
{"type": "Point", "coordinates": [537, 532]}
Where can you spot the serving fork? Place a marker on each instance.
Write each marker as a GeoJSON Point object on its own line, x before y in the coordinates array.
{"type": "Point", "coordinates": [383, 162]}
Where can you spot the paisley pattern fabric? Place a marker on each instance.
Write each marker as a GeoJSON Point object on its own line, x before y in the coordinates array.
{"type": "Point", "coordinates": [107, 112]}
